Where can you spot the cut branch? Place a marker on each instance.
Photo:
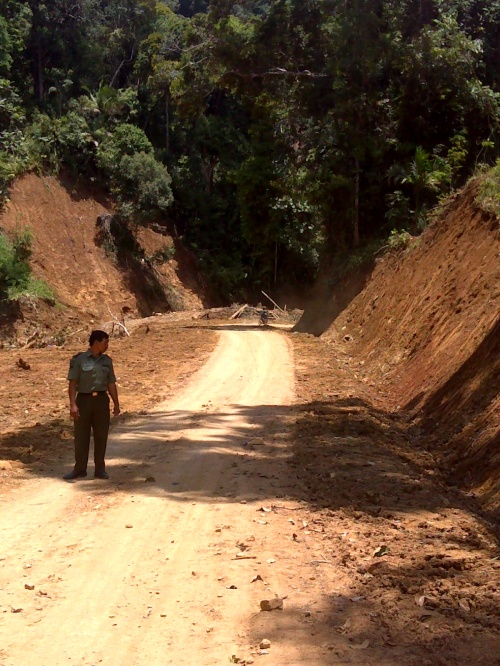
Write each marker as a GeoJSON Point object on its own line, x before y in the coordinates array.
{"type": "Point", "coordinates": [118, 322]}
{"type": "Point", "coordinates": [273, 302]}
{"type": "Point", "coordinates": [120, 66]}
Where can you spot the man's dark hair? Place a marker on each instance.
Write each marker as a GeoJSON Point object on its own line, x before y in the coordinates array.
{"type": "Point", "coordinates": [97, 336]}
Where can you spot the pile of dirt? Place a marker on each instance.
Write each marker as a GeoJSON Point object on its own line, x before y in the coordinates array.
{"type": "Point", "coordinates": [425, 333]}
{"type": "Point", "coordinates": [91, 281]}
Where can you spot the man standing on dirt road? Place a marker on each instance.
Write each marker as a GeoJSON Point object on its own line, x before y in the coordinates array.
{"type": "Point", "coordinates": [91, 377]}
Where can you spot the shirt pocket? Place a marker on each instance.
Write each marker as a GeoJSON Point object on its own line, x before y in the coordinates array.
{"type": "Point", "coordinates": [103, 374]}
{"type": "Point", "coordinates": [87, 367]}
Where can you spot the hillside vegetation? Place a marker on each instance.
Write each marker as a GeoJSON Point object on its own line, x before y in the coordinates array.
{"type": "Point", "coordinates": [263, 131]}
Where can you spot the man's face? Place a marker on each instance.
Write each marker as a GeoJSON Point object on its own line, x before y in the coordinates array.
{"type": "Point", "coordinates": [101, 347]}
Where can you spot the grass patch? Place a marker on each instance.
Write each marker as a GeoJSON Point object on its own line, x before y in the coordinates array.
{"type": "Point", "coordinates": [489, 191]}
{"type": "Point", "coordinates": [34, 289]}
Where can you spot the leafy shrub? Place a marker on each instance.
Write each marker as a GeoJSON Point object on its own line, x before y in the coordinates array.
{"type": "Point", "coordinates": [149, 181]}
{"type": "Point", "coordinates": [76, 143]}
{"type": "Point", "coordinates": [399, 212]}
{"type": "Point", "coordinates": [32, 288]}
{"type": "Point", "coordinates": [107, 104]}
{"type": "Point", "coordinates": [12, 120]}
{"type": "Point", "coordinates": [52, 142]}
{"type": "Point", "coordinates": [14, 260]}
{"type": "Point", "coordinates": [12, 116]}
{"type": "Point", "coordinates": [125, 140]}
{"type": "Point", "coordinates": [5, 47]}
{"type": "Point", "coordinates": [41, 143]}
{"type": "Point", "coordinates": [141, 183]}
{"type": "Point", "coordinates": [10, 167]}
{"type": "Point", "coordinates": [399, 239]}
{"type": "Point", "coordinates": [15, 272]}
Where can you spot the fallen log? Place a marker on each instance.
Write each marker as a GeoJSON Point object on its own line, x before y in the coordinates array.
{"type": "Point", "coordinates": [238, 312]}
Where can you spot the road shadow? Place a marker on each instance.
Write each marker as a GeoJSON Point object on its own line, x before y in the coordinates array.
{"type": "Point", "coordinates": [346, 462]}
{"type": "Point", "coordinates": [444, 415]}
{"type": "Point", "coordinates": [343, 454]}
{"type": "Point", "coordinates": [360, 632]}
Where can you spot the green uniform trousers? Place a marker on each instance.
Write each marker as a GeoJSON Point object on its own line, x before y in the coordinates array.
{"type": "Point", "coordinates": [95, 417]}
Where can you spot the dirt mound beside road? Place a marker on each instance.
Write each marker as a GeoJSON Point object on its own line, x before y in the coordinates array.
{"type": "Point", "coordinates": [89, 280]}
{"type": "Point", "coordinates": [425, 331]}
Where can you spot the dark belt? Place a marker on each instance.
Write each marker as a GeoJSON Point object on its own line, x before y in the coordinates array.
{"type": "Point", "coordinates": [94, 393]}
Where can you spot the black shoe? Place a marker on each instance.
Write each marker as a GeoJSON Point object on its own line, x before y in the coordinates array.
{"type": "Point", "coordinates": [75, 474]}
{"type": "Point", "coordinates": [101, 475]}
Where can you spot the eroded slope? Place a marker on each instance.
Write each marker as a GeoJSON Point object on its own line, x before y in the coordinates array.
{"type": "Point", "coordinates": [425, 332]}
{"type": "Point", "coordinates": [89, 278]}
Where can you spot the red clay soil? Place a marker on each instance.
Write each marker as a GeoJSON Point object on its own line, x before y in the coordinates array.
{"type": "Point", "coordinates": [88, 281]}
{"type": "Point", "coordinates": [425, 332]}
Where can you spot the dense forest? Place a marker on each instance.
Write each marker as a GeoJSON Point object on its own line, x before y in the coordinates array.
{"type": "Point", "coordinates": [262, 133]}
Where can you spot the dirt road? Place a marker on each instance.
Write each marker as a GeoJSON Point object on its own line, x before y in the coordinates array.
{"type": "Point", "coordinates": [156, 565]}
{"type": "Point", "coordinates": [263, 477]}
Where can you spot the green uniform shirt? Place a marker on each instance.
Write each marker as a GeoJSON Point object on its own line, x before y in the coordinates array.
{"type": "Point", "coordinates": [91, 373]}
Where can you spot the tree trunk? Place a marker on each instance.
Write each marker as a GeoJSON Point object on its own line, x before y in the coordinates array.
{"type": "Point", "coordinates": [276, 263]}
{"type": "Point", "coordinates": [208, 169]}
{"type": "Point", "coordinates": [355, 231]}
{"type": "Point", "coordinates": [39, 69]}
{"type": "Point", "coordinates": [167, 121]}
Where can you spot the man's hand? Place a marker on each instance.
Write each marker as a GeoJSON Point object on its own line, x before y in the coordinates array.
{"type": "Point", "coordinates": [74, 412]}
{"type": "Point", "coordinates": [113, 392]}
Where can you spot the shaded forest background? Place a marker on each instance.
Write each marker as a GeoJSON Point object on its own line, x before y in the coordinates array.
{"type": "Point", "coordinates": [265, 135]}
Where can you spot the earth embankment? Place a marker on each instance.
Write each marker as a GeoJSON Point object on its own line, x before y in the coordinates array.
{"type": "Point", "coordinates": [425, 331]}
{"type": "Point", "coordinates": [96, 277]}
